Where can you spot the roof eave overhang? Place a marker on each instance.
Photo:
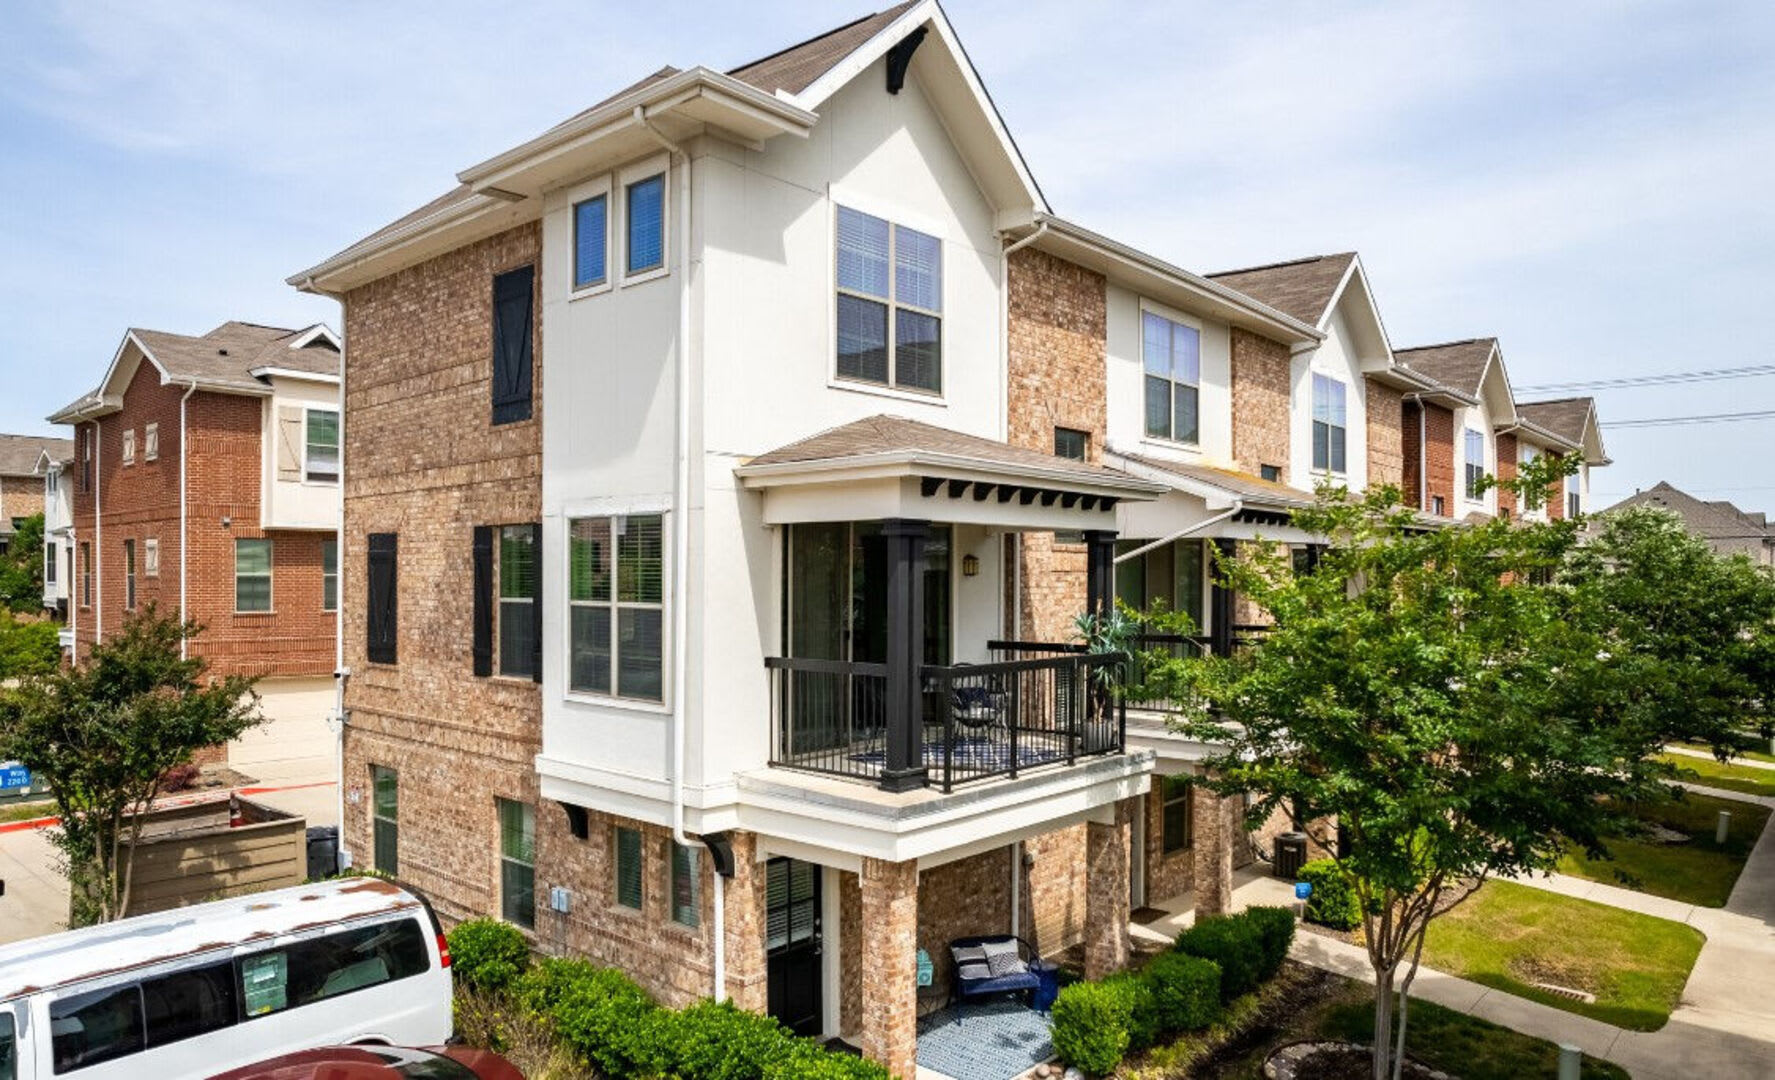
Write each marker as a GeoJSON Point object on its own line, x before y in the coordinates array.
{"type": "Point", "coordinates": [1154, 277]}
{"type": "Point", "coordinates": [1214, 495]}
{"type": "Point", "coordinates": [505, 188]}
{"type": "Point", "coordinates": [272, 371]}
{"type": "Point", "coordinates": [1546, 435]}
{"type": "Point", "coordinates": [923, 463]}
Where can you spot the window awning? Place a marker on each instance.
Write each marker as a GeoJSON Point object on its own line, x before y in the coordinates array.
{"type": "Point", "coordinates": [892, 467]}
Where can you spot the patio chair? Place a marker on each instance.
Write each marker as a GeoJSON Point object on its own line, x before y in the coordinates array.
{"type": "Point", "coordinates": [978, 706]}
{"type": "Point", "coordinates": [992, 964]}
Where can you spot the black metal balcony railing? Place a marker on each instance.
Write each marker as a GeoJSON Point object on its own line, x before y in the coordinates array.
{"type": "Point", "coordinates": [976, 720]}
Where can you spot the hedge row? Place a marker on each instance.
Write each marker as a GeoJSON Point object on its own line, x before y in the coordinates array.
{"type": "Point", "coordinates": [1097, 1024]}
{"type": "Point", "coordinates": [604, 1017]}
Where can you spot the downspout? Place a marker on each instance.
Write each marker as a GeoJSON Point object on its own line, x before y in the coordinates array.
{"type": "Point", "coordinates": [184, 530]}
{"type": "Point", "coordinates": [340, 672]}
{"type": "Point", "coordinates": [681, 548]}
{"type": "Point", "coordinates": [1423, 457]}
{"type": "Point", "coordinates": [1238, 505]}
{"type": "Point", "coordinates": [1004, 380]}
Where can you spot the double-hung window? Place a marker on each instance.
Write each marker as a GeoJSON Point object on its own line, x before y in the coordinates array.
{"type": "Point", "coordinates": [1574, 502]}
{"type": "Point", "coordinates": [684, 892]}
{"type": "Point", "coordinates": [385, 817]}
{"type": "Point", "coordinates": [645, 213]}
{"type": "Point", "coordinates": [252, 575]}
{"type": "Point", "coordinates": [49, 561]}
{"type": "Point", "coordinates": [616, 599]}
{"type": "Point", "coordinates": [517, 863]}
{"type": "Point", "coordinates": [1330, 425]}
{"type": "Point", "coordinates": [1179, 819]}
{"type": "Point", "coordinates": [1475, 447]}
{"type": "Point", "coordinates": [85, 574]}
{"type": "Point", "coordinates": [517, 600]}
{"type": "Point", "coordinates": [890, 303]}
{"type": "Point", "coordinates": [1171, 354]}
{"type": "Point", "coordinates": [320, 457]}
{"type": "Point", "coordinates": [591, 241]}
{"type": "Point", "coordinates": [329, 575]}
{"type": "Point", "coordinates": [129, 575]}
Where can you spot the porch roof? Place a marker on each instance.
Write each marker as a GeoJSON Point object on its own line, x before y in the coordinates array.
{"type": "Point", "coordinates": [889, 466]}
{"type": "Point", "coordinates": [1220, 487]}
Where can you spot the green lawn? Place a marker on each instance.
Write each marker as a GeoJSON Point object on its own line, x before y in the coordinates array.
{"type": "Point", "coordinates": [1463, 1045]}
{"type": "Point", "coordinates": [25, 811]}
{"type": "Point", "coordinates": [1697, 872]}
{"type": "Point", "coordinates": [1710, 773]}
{"type": "Point", "coordinates": [1510, 936]}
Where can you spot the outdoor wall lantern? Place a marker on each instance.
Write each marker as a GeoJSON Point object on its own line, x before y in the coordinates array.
{"type": "Point", "coordinates": [970, 565]}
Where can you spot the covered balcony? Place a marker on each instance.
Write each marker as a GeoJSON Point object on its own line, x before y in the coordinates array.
{"type": "Point", "coordinates": [890, 668]}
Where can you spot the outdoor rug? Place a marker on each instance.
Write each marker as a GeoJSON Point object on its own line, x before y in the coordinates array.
{"type": "Point", "coordinates": [973, 754]}
{"type": "Point", "coordinates": [992, 1040]}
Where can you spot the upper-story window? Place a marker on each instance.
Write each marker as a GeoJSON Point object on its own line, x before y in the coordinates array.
{"type": "Point", "coordinates": [616, 601]}
{"type": "Point", "coordinates": [1330, 425]}
{"type": "Point", "coordinates": [1533, 497]}
{"type": "Point", "coordinates": [320, 456]}
{"type": "Point", "coordinates": [1574, 501]}
{"type": "Point", "coordinates": [129, 575]}
{"type": "Point", "coordinates": [1171, 354]}
{"type": "Point", "coordinates": [329, 575]}
{"type": "Point", "coordinates": [86, 440]}
{"type": "Point", "coordinates": [129, 446]}
{"type": "Point", "coordinates": [1475, 457]}
{"type": "Point", "coordinates": [252, 574]}
{"type": "Point", "coordinates": [890, 303]}
{"type": "Point", "coordinates": [1071, 443]}
{"type": "Point", "coordinates": [591, 241]}
{"type": "Point", "coordinates": [51, 481]}
{"type": "Point", "coordinates": [151, 442]}
{"type": "Point", "coordinates": [646, 214]}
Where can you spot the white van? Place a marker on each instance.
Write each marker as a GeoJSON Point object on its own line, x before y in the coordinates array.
{"type": "Point", "coordinates": [201, 989]}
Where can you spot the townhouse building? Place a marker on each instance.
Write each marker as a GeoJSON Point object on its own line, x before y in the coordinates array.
{"type": "Point", "coordinates": [204, 477]}
{"type": "Point", "coordinates": [1727, 529]}
{"type": "Point", "coordinates": [21, 487]}
{"type": "Point", "coordinates": [53, 472]}
{"type": "Point", "coordinates": [729, 465]}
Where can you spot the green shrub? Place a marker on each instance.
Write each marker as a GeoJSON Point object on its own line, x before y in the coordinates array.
{"type": "Point", "coordinates": [612, 1023]}
{"type": "Point", "coordinates": [488, 954]}
{"type": "Point", "coordinates": [807, 1060]}
{"type": "Point", "coordinates": [1333, 903]}
{"type": "Point", "coordinates": [1232, 943]}
{"type": "Point", "coordinates": [1184, 991]}
{"type": "Point", "coordinates": [541, 989]}
{"type": "Point", "coordinates": [1275, 931]}
{"type": "Point", "coordinates": [1089, 1026]}
{"type": "Point", "coordinates": [1142, 1011]}
{"type": "Point", "coordinates": [715, 1041]}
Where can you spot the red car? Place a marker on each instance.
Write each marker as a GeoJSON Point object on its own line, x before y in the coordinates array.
{"type": "Point", "coordinates": [380, 1063]}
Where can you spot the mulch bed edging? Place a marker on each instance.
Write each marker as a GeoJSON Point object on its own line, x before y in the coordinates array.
{"type": "Point", "coordinates": [1306, 1060]}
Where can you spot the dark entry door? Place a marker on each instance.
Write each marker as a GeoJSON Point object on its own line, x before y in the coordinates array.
{"type": "Point", "coordinates": [792, 934]}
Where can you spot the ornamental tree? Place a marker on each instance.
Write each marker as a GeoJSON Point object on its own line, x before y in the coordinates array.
{"type": "Point", "coordinates": [1427, 690]}
{"type": "Point", "coordinates": [21, 567]}
{"type": "Point", "coordinates": [103, 734]}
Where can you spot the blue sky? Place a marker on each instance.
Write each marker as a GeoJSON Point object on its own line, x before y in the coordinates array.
{"type": "Point", "coordinates": [1591, 182]}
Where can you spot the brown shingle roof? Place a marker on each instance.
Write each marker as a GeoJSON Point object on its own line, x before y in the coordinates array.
{"type": "Point", "coordinates": [1241, 484]}
{"type": "Point", "coordinates": [887, 435]}
{"type": "Point", "coordinates": [796, 68]}
{"type": "Point", "coordinates": [1458, 365]}
{"type": "Point", "coordinates": [1564, 417]}
{"type": "Point", "coordinates": [1710, 520]}
{"type": "Point", "coordinates": [1303, 288]}
{"type": "Point", "coordinates": [19, 453]}
{"type": "Point", "coordinates": [224, 356]}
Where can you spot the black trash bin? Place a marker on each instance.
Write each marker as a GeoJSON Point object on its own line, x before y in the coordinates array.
{"type": "Point", "coordinates": [323, 851]}
{"type": "Point", "coordinates": [1291, 855]}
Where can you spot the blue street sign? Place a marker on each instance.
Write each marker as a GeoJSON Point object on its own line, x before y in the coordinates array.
{"type": "Point", "coordinates": [14, 775]}
{"type": "Point", "coordinates": [1303, 890]}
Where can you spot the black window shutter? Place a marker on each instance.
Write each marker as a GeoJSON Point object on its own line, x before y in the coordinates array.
{"type": "Point", "coordinates": [536, 604]}
{"type": "Point", "coordinates": [383, 592]}
{"type": "Point", "coordinates": [513, 307]}
{"type": "Point", "coordinates": [483, 600]}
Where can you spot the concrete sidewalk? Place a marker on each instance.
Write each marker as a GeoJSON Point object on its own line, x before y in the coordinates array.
{"type": "Point", "coordinates": [1683, 751]}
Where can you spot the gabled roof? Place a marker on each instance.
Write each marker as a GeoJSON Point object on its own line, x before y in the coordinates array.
{"type": "Point", "coordinates": [223, 360]}
{"type": "Point", "coordinates": [1712, 520]}
{"type": "Point", "coordinates": [797, 67]}
{"type": "Point", "coordinates": [1572, 419]}
{"type": "Point", "coordinates": [1458, 365]}
{"type": "Point", "coordinates": [19, 454]}
{"type": "Point", "coordinates": [1303, 288]}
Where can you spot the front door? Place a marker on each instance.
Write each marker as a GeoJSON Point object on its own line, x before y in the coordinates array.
{"type": "Point", "coordinates": [792, 935]}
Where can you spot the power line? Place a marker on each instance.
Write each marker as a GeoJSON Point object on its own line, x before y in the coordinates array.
{"type": "Point", "coordinates": [1710, 418]}
{"type": "Point", "coordinates": [1666, 379]}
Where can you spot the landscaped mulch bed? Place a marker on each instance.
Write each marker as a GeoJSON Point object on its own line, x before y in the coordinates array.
{"type": "Point", "coordinates": [1334, 1061]}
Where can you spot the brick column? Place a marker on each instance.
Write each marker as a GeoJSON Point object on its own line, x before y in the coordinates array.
{"type": "Point", "coordinates": [748, 981]}
{"type": "Point", "coordinates": [1106, 891]}
{"type": "Point", "coordinates": [1217, 829]}
{"type": "Point", "coordinates": [890, 965]}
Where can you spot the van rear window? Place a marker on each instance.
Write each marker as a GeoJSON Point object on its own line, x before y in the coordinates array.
{"type": "Point", "coordinates": [304, 972]}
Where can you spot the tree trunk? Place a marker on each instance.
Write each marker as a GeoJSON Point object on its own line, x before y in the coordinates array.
{"type": "Point", "coordinates": [1383, 1021]}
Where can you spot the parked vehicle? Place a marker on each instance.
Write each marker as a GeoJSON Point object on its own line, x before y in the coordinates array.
{"type": "Point", "coordinates": [380, 1063]}
{"type": "Point", "coordinates": [210, 987]}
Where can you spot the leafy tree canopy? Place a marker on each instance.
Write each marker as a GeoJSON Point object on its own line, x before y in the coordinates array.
{"type": "Point", "coordinates": [21, 567]}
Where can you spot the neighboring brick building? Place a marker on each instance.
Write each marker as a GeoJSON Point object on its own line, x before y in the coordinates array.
{"type": "Point", "coordinates": [21, 484]}
{"type": "Point", "coordinates": [205, 474]}
{"type": "Point", "coordinates": [1726, 528]}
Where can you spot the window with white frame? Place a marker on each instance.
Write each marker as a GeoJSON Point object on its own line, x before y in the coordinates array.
{"type": "Point", "coordinates": [890, 303]}
{"type": "Point", "coordinates": [49, 561]}
{"type": "Point", "coordinates": [1533, 497]}
{"type": "Point", "coordinates": [1171, 354]}
{"type": "Point", "coordinates": [320, 451]}
{"type": "Point", "coordinates": [252, 575]}
{"type": "Point", "coordinates": [51, 482]}
{"type": "Point", "coordinates": [1574, 502]}
{"type": "Point", "coordinates": [129, 446]}
{"type": "Point", "coordinates": [591, 241]}
{"type": "Point", "coordinates": [151, 557]}
{"type": "Point", "coordinates": [329, 575]}
{"type": "Point", "coordinates": [645, 214]}
{"type": "Point", "coordinates": [1475, 457]}
{"type": "Point", "coordinates": [616, 605]}
{"type": "Point", "coordinates": [1330, 425]}
{"type": "Point", "coordinates": [151, 442]}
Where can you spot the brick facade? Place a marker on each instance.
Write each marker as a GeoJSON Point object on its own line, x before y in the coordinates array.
{"type": "Point", "coordinates": [20, 497]}
{"type": "Point", "coordinates": [1507, 451]}
{"type": "Point", "coordinates": [889, 938]}
{"type": "Point", "coordinates": [960, 898]}
{"type": "Point", "coordinates": [1435, 426]}
{"type": "Point", "coordinates": [1556, 494]}
{"type": "Point", "coordinates": [1261, 421]}
{"type": "Point", "coordinates": [1386, 442]}
{"type": "Point", "coordinates": [1168, 874]}
{"type": "Point", "coordinates": [1058, 357]}
{"type": "Point", "coordinates": [1107, 879]}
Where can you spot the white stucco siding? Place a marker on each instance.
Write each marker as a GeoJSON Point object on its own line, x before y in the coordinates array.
{"type": "Point", "coordinates": [301, 503]}
{"type": "Point", "coordinates": [1126, 384]}
{"type": "Point", "coordinates": [1336, 357]}
{"type": "Point", "coordinates": [1474, 418]}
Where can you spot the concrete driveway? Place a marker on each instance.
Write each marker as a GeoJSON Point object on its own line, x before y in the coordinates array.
{"type": "Point", "coordinates": [36, 900]}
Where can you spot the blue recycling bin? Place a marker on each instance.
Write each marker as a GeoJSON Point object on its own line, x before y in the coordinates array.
{"type": "Point", "coordinates": [1303, 890]}
{"type": "Point", "coordinates": [1047, 985]}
